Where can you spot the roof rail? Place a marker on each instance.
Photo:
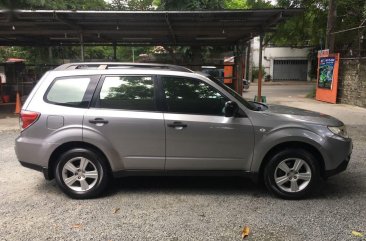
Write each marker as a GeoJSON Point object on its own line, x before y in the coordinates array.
{"type": "Point", "coordinates": [118, 65]}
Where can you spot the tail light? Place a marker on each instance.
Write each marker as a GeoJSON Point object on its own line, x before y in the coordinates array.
{"type": "Point", "coordinates": [27, 118]}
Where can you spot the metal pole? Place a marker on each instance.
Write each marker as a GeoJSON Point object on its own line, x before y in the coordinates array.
{"type": "Point", "coordinates": [114, 51]}
{"type": "Point", "coordinates": [50, 54]}
{"type": "Point", "coordinates": [235, 75]}
{"type": "Point", "coordinates": [259, 95]}
{"type": "Point", "coordinates": [133, 54]}
{"type": "Point", "coordinates": [240, 68]}
{"type": "Point", "coordinates": [82, 47]}
{"type": "Point", "coordinates": [247, 62]}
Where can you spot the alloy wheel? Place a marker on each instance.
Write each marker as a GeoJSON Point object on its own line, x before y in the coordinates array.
{"type": "Point", "coordinates": [292, 175]}
{"type": "Point", "coordinates": [80, 174]}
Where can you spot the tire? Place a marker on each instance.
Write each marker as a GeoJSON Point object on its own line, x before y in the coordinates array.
{"type": "Point", "coordinates": [81, 173]}
{"type": "Point", "coordinates": [292, 173]}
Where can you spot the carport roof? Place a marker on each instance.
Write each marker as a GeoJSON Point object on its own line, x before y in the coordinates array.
{"type": "Point", "coordinates": [184, 28]}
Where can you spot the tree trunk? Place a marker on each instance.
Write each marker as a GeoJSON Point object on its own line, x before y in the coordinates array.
{"type": "Point", "coordinates": [331, 22]}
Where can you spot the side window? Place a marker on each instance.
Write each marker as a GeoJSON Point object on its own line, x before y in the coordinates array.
{"type": "Point", "coordinates": [68, 91]}
{"type": "Point", "coordinates": [127, 92]}
{"type": "Point", "coordinates": [192, 96]}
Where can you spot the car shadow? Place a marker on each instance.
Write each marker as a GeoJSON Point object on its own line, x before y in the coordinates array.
{"type": "Point", "coordinates": [187, 185]}
{"type": "Point", "coordinates": [343, 186]}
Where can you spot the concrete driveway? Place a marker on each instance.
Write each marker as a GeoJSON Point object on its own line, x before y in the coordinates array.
{"type": "Point", "coordinates": [162, 208]}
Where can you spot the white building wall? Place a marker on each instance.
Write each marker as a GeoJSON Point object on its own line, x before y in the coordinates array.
{"type": "Point", "coordinates": [279, 53]}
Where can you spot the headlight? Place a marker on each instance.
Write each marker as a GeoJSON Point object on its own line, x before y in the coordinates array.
{"type": "Point", "coordinates": [339, 130]}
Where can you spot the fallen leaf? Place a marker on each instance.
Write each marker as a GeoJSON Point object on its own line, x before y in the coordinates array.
{"type": "Point", "coordinates": [116, 210]}
{"type": "Point", "coordinates": [357, 234]}
{"type": "Point", "coordinates": [77, 225]}
{"type": "Point", "coordinates": [245, 232]}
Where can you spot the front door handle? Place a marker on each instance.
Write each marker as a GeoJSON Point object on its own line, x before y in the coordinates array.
{"type": "Point", "coordinates": [177, 125]}
{"type": "Point", "coordinates": [98, 121]}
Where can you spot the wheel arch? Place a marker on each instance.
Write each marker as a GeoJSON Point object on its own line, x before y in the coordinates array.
{"type": "Point", "coordinates": [287, 145]}
{"type": "Point", "coordinates": [68, 146]}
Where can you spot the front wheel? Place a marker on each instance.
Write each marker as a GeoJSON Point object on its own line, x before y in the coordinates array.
{"type": "Point", "coordinates": [81, 173]}
{"type": "Point", "coordinates": [292, 173]}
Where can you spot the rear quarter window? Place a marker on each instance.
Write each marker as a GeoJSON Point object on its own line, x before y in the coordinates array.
{"type": "Point", "coordinates": [69, 91]}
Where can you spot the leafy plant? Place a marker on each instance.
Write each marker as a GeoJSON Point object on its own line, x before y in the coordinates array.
{"type": "Point", "coordinates": [255, 73]}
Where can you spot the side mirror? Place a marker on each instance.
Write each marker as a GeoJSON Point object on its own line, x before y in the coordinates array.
{"type": "Point", "coordinates": [231, 108]}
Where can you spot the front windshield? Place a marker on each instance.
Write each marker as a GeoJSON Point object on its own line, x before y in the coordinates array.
{"type": "Point", "coordinates": [233, 93]}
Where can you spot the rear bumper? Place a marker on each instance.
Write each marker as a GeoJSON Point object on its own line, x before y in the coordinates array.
{"type": "Point", "coordinates": [44, 170]}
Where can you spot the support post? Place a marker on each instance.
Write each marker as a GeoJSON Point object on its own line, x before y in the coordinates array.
{"type": "Point", "coordinates": [50, 54]}
{"type": "Point", "coordinates": [235, 84]}
{"type": "Point", "coordinates": [81, 47]}
{"type": "Point", "coordinates": [247, 61]}
{"type": "Point", "coordinates": [239, 64]}
{"type": "Point", "coordinates": [259, 95]}
{"type": "Point", "coordinates": [114, 51]}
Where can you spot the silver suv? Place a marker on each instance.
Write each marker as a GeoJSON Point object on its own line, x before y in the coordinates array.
{"type": "Point", "coordinates": [85, 123]}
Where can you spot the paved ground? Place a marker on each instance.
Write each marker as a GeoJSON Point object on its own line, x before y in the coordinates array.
{"type": "Point", "coordinates": [9, 122]}
{"type": "Point", "coordinates": [186, 208]}
{"type": "Point", "coordinates": [275, 90]}
{"type": "Point", "coordinates": [294, 95]}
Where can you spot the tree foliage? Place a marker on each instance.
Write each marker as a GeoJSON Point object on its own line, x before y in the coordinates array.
{"type": "Point", "coordinates": [134, 5]}
{"type": "Point", "coordinates": [305, 29]}
{"type": "Point", "coordinates": [310, 28]}
{"type": "Point", "coordinates": [54, 4]}
{"type": "Point", "coordinates": [190, 5]}
{"type": "Point", "coordinates": [351, 14]}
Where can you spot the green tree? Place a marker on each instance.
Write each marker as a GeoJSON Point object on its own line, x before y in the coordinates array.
{"type": "Point", "coordinates": [186, 5]}
{"type": "Point", "coordinates": [351, 14]}
{"type": "Point", "coordinates": [305, 29]}
{"type": "Point", "coordinates": [309, 28]}
{"type": "Point", "coordinates": [54, 4]}
{"type": "Point", "coordinates": [134, 5]}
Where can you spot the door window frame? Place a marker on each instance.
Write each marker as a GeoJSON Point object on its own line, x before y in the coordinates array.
{"type": "Point", "coordinates": [94, 102]}
{"type": "Point", "coordinates": [164, 104]}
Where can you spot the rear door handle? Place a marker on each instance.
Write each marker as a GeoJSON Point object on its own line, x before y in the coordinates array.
{"type": "Point", "coordinates": [177, 125]}
{"type": "Point", "coordinates": [98, 121]}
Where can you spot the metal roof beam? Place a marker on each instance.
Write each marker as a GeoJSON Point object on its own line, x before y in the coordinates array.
{"type": "Point", "coordinates": [68, 22]}
{"type": "Point", "coordinates": [137, 28]}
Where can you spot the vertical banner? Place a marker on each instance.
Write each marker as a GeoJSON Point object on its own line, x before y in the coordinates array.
{"type": "Point", "coordinates": [326, 72]}
{"type": "Point", "coordinates": [327, 83]}
{"type": "Point", "coordinates": [228, 70]}
{"type": "Point", "coordinates": [228, 74]}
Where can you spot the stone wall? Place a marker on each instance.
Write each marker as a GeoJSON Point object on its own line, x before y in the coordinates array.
{"type": "Point", "coordinates": [352, 82]}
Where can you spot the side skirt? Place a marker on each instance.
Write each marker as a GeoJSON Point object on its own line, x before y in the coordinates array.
{"type": "Point", "coordinates": [215, 173]}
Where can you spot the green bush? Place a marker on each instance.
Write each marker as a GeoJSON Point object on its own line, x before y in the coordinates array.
{"type": "Point", "coordinates": [255, 72]}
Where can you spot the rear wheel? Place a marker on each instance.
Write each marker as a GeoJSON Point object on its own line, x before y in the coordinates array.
{"type": "Point", "coordinates": [81, 173]}
{"type": "Point", "coordinates": [292, 173]}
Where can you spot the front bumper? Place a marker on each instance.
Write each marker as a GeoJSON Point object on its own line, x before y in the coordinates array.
{"type": "Point", "coordinates": [342, 167]}
{"type": "Point", "coordinates": [340, 152]}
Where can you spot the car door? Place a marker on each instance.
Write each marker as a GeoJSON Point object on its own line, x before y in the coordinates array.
{"type": "Point", "coordinates": [198, 135]}
{"type": "Point", "coordinates": [124, 120]}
